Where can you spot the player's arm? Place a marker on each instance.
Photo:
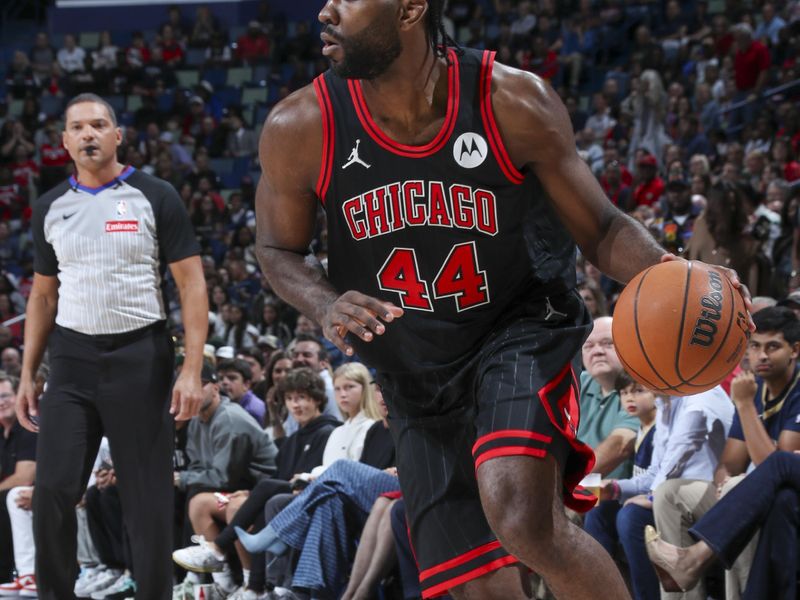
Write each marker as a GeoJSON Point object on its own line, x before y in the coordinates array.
{"type": "Point", "coordinates": [290, 151]}
{"type": "Point", "coordinates": [40, 317]}
{"type": "Point", "coordinates": [538, 135]}
{"type": "Point", "coordinates": [614, 450]}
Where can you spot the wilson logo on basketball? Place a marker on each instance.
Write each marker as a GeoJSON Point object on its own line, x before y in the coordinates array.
{"type": "Point", "coordinates": [706, 327]}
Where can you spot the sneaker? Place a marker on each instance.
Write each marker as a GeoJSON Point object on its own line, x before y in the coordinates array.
{"type": "Point", "coordinates": [199, 558]}
{"type": "Point", "coordinates": [124, 588]}
{"type": "Point", "coordinates": [245, 594]}
{"type": "Point", "coordinates": [29, 589]}
{"type": "Point", "coordinates": [14, 588]}
{"type": "Point", "coordinates": [102, 582]}
{"type": "Point", "coordinates": [209, 591]}
{"type": "Point", "coordinates": [86, 577]}
{"type": "Point", "coordinates": [183, 591]}
{"type": "Point", "coordinates": [281, 593]}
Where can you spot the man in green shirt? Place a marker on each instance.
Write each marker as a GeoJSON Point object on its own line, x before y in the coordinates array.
{"type": "Point", "coordinates": [604, 425]}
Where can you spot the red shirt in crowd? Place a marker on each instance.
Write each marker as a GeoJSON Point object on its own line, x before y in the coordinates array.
{"type": "Point", "coordinates": [54, 156]}
{"type": "Point", "coordinates": [250, 48]}
{"type": "Point", "coordinates": [748, 65]}
{"type": "Point", "coordinates": [649, 192]}
{"type": "Point", "coordinates": [791, 171]}
{"type": "Point", "coordinates": [172, 53]}
{"type": "Point", "coordinates": [9, 196]}
{"type": "Point", "coordinates": [23, 171]}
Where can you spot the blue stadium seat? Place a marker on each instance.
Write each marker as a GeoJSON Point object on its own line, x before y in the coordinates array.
{"type": "Point", "coordinates": [195, 57]}
{"type": "Point", "coordinates": [122, 39]}
{"type": "Point", "coordinates": [117, 103]}
{"type": "Point", "coordinates": [52, 106]}
{"type": "Point", "coordinates": [230, 180]}
{"type": "Point", "coordinates": [215, 77]}
{"type": "Point", "coordinates": [261, 74]}
{"type": "Point", "coordinates": [241, 165]}
{"type": "Point", "coordinates": [165, 102]}
{"type": "Point", "coordinates": [229, 96]}
{"type": "Point", "coordinates": [221, 166]}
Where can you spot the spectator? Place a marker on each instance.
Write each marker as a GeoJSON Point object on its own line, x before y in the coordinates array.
{"type": "Point", "coordinates": [277, 369]}
{"type": "Point", "coordinates": [770, 27]}
{"type": "Point", "coordinates": [648, 102]}
{"type": "Point", "coordinates": [604, 425]}
{"type": "Point", "coordinates": [19, 77]}
{"type": "Point", "coordinates": [720, 236]}
{"type": "Point", "coordinates": [689, 435]}
{"type": "Point", "coordinates": [770, 495]}
{"type": "Point", "coordinates": [751, 69]}
{"type": "Point", "coordinates": [205, 26]}
{"type": "Point", "coordinates": [10, 361]}
{"type": "Point", "coordinates": [42, 57]}
{"type": "Point", "coordinates": [172, 53]}
{"type": "Point", "coordinates": [242, 142]}
{"type": "Point", "coordinates": [677, 223]}
{"type": "Point", "coordinates": [17, 467]}
{"type": "Point", "coordinates": [237, 379]}
{"type": "Point", "coordinates": [783, 154]}
{"type": "Point", "coordinates": [227, 451]}
{"type": "Point", "coordinates": [307, 351]}
{"type": "Point", "coordinates": [105, 62]}
{"type": "Point", "coordinates": [253, 45]}
{"type": "Point", "coordinates": [615, 188]}
{"type": "Point", "coordinates": [593, 298]}
{"type": "Point", "coordinates": [15, 135]}
{"type": "Point", "coordinates": [271, 323]}
{"type": "Point", "coordinates": [651, 186]}
{"type": "Point", "coordinates": [766, 420]}
{"type": "Point", "coordinates": [54, 159]}
{"type": "Point", "coordinates": [218, 53]}
{"type": "Point", "coordinates": [71, 58]}
{"type": "Point", "coordinates": [600, 121]}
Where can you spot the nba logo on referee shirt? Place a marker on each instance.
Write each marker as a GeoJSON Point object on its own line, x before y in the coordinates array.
{"type": "Point", "coordinates": [470, 150]}
{"type": "Point", "coordinates": [122, 208]}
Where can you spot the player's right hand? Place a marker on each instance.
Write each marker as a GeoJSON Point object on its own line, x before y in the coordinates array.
{"type": "Point", "coordinates": [359, 314]}
{"type": "Point", "coordinates": [27, 404]}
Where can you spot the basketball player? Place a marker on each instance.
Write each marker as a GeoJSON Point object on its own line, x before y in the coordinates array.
{"type": "Point", "coordinates": [453, 194]}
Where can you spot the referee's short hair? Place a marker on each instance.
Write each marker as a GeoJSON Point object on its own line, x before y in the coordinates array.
{"type": "Point", "coordinates": [89, 97]}
{"type": "Point", "coordinates": [303, 380]}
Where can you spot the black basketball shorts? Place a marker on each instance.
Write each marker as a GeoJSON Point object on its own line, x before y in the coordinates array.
{"type": "Point", "coordinates": [518, 396]}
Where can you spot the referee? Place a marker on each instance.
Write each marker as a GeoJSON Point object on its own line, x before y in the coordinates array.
{"type": "Point", "coordinates": [102, 241]}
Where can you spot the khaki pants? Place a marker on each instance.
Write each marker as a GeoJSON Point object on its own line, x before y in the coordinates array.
{"type": "Point", "coordinates": [677, 505]}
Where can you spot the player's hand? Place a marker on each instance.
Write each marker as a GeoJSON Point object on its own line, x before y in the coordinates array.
{"type": "Point", "coordinates": [733, 276]}
{"type": "Point", "coordinates": [743, 388]}
{"type": "Point", "coordinates": [358, 314]}
{"type": "Point", "coordinates": [28, 405]}
{"type": "Point", "coordinates": [187, 396]}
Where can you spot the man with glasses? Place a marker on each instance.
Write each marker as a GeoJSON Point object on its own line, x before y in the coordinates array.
{"type": "Point", "coordinates": [604, 426]}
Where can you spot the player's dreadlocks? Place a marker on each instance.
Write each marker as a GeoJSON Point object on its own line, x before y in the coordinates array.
{"type": "Point", "coordinates": [437, 35]}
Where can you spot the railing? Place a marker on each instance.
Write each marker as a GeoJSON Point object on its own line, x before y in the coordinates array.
{"type": "Point", "coordinates": [769, 93]}
{"type": "Point", "coordinates": [13, 320]}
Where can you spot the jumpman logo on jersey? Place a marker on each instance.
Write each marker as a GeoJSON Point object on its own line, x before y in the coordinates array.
{"type": "Point", "coordinates": [354, 158]}
{"type": "Point", "coordinates": [552, 312]}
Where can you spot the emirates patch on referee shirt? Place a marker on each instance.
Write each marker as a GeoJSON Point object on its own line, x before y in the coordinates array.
{"type": "Point", "coordinates": [122, 226]}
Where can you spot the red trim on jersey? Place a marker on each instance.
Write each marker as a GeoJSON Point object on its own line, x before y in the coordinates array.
{"type": "Point", "coordinates": [511, 433]}
{"type": "Point", "coordinates": [326, 165]}
{"type": "Point", "coordinates": [442, 588]}
{"type": "Point", "coordinates": [458, 560]}
{"type": "Point", "coordinates": [387, 143]}
{"type": "Point", "coordinates": [490, 125]}
{"type": "Point", "coordinates": [509, 451]}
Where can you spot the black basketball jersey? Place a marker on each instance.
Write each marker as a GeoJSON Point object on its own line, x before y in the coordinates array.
{"type": "Point", "coordinates": [451, 230]}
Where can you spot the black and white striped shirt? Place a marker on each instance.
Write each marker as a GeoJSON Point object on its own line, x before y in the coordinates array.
{"type": "Point", "coordinates": [109, 247]}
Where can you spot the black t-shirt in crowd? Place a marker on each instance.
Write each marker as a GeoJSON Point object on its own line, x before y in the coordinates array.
{"type": "Point", "coordinates": [378, 449]}
{"type": "Point", "coordinates": [19, 445]}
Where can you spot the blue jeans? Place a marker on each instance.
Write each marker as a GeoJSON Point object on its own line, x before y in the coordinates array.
{"type": "Point", "coordinates": [631, 521]}
{"type": "Point", "coordinates": [601, 524]}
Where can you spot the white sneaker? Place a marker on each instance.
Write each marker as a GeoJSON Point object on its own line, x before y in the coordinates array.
{"type": "Point", "coordinates": [183, 591]}
{"type": "Point", "coordinates": [104, 580]}
{"type": "Point", "coordinates": [281, 593]}
{"type": "Point", "coordinates": [86, 577]}
{"type": "Point", "coordinates": [123, 584]}
{"type": "Point", "coordinates": [199, 558]}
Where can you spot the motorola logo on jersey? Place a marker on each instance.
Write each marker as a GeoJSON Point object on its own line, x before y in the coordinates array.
{"type": "Point", "coordinates": [418, 203]}
{"type": "Point", "coordinates": [470, 150]}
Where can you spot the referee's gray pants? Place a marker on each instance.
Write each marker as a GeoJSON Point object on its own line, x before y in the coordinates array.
{"type": "Point", "coordinates": [118, 386]}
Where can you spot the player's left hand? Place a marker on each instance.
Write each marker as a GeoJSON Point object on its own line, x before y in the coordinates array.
{"type": "Point", "coordinates": [187, 396]}
{"type": "Point", "coordinates": [733, 276]}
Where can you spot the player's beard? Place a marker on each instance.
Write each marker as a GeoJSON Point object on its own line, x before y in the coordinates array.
{"type": "Point", "coordinates": [370, 53]}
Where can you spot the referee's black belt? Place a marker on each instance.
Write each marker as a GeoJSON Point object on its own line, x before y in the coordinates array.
{"type": "Point", "coordinates": [111, 341]}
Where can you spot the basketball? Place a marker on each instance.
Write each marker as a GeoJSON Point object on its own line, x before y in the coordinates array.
{"type": "Point", "coordinates": [680, 327]}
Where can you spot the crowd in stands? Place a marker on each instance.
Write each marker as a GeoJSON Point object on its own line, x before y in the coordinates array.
{"type": "Point", "coordinates": [686, 112]}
